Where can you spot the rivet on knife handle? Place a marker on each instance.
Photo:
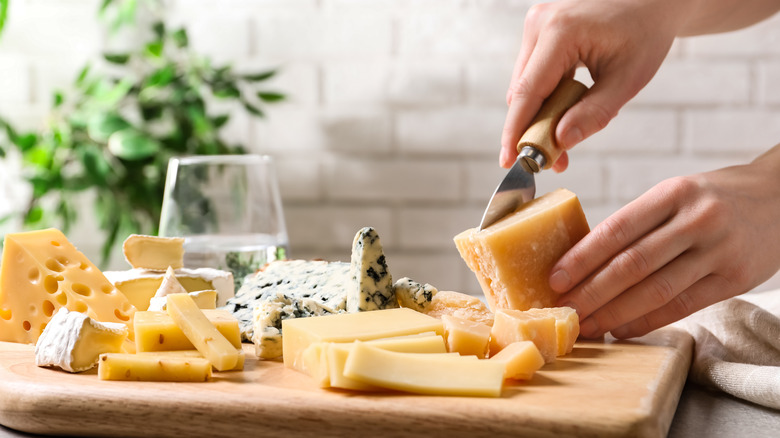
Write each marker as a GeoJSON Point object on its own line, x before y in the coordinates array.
{"type": "Point", "coordinates": [537, 147]}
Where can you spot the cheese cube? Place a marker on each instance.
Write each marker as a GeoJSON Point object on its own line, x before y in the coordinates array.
{"type": "Point", "coordinates": [514, 325]}
{"type": "Point", "coordinates": [521, 360]}
{"type": "Point", "coordinates": [465, 336]}
{"type": "Point", "coordinates": [156, 331]}
{"type": "Point", "coordinates": [122, 366]}
{"type": "Point", "coordinates": [140, 285]}
{"type": "Point", "coordinates": [567, 326]}
{"type": "Point", "coordinates": [299, 333]}
{"type": "Point", "coordinates": [513, 257]}
{"type": "Point", "coordinates": [152, 252]}
{"type": "Point", "coordinates": [441, 374]}
{"type": "Point", "coordinates": [201, 332]}
{"type": "Point", "coordinates": [42, 272]}
{"type": "Point", "coordinates": [459, 305]}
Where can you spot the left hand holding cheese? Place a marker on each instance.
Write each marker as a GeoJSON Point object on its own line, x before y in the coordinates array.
{"type": "Point", "coordinates": [687, 243]}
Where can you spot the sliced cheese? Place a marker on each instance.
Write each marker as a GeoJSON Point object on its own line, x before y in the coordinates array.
{"type": "Point", "coordinates": [466, 337]}
{"type": "Point", "coordinates": [440, 374]}
{"type": "Point", "coordinates": [152, 252]}
{"type": "Point", "coordinates": [140, 285]}
{"type": "Point", "coordinates": [521, 360]}
{"type": "Point", "coordinates": [122, 366]}
{"type": "Point", "coordinates": [42, 272]}
{"type": "Point", "coordinates": [192, 353]}
{"type": "Point", "coordinates": [461, 305]}
{"type": "Point", "coordinates": [73, 341]}
{"type": "Point", "coordinates": [204, 299]}
{"type": "Point", "coordinates": [156, 331]}
{"type": "Point", "coordinates": [515, 325]}
{"type": "Point", "coordinates": [567, 326]}
{"type": "Point", "coordinates": [512, 258]}
{"type": "Point", "coordinates": [299, 333]}
{"type": "Point", "coordinates": [201, 332]}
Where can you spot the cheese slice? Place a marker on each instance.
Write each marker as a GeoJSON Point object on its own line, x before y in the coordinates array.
{"type": "Point", "coordinates": [152, 252]}
{"type": "Point", "coordinates": [192, 353]}
{"type": "Point", "coordinates": [204, 299]}
{"type": "Point", "coordinates": [201, 332]}
{"type": "Point", "coordinates": [466, 337]}
{"type": "Point", "coordinates": [439, 374]}
{"type": "Point", "coordinates": [521, 360]}
{"type": "Point", "coordinates": [122, 366]}
{"type": "Point", "coordinates": [460, 305]}
{"type": "Point", "coordinates": [515, 325]}
{"type": "Point", "coordinates": [156, 331]}
{"type": "Point", "coordinates": [513, 257]}
{"type": "Point", "coordinates": [299, 333]}
{"type": "Point", "coordinates": [73, 341]}
{"type": "Point", "coordinates": [567, 326]}
{"type": "Point", "coordinates": [372, 285]}
{"type": "Point", "coordinates": [42, 272]}
{"type": "Point", "coordinates": [140, 285]}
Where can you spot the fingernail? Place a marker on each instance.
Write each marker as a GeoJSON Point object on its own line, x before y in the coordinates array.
{"type": "Point", "coordinates": [560, 280]}
{"type": "Point", "coordinates": [571, 137]}
{"type": "Point", "coordinates": [589, 328]}
{"type": "Point", "coordinates": [503, 158]}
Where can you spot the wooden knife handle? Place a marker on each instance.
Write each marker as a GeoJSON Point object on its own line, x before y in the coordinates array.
{"type": "Point", "coordinates": [540, 135]}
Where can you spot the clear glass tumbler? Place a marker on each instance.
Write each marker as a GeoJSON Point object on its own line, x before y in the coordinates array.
{"type": "Point", "coordinates": [228, 210]}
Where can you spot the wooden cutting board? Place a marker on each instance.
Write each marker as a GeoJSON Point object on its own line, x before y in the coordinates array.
{"type": "Point", "coordinates": [602, 389]}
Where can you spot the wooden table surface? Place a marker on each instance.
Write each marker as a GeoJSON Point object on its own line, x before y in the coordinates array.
{"type": "Point", "coordinates": [603, 388]}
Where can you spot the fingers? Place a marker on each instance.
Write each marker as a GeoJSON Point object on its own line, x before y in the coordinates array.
{"type": "Point", "coordinates": [530, 35]}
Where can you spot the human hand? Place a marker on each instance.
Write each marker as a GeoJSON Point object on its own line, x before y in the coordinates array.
{"type": "Point", "coordinates": [687, 243]}
{"type": "Point", "coordinates": [621, 42]}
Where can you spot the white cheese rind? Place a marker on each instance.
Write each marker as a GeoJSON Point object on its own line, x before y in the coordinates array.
{"type": "Point", "coordinates": [414, 295]}
{"type": "Point", "coordinates": [372, 286]}
{"type": "Point", "coordinates": [221, 281]}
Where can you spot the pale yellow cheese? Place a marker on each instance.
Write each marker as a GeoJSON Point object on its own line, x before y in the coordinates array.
{"type": "Point", "coordinates": [42, 272]}
{"type": "Point", "coordinates": [156, 331]}
{"type": "Point", "coordinates": [122, 366]}
{"type": "Point", "coordinates": [201, 332]}
{"type": "Point", "coordinates": [460, 305]}
{"type": "Point", "coordinates": [521, 360]}
{"type": "Point", "coordinates": [193, 353]}
{"type": "Point", "coordinates": [204, 299]}
{"type": "Point", "coordinates": [152, 252]}
{"type": "Point", "coordinates": [299, 333]}
{"type": "Point", "coordinates": [515, 325]}
{"type": "Point", "coordinates": [465, 336]}
{"type": "Point", "coordinates": [513, 257]}
{"type": "Point", "coordinates": [567, 326]}
{"type": "Point", "coordinates": [441, 374]}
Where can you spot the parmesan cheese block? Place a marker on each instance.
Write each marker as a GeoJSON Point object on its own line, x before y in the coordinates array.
{"type": "Point", "coordinates": [140, 285]}
{"type": "Point", "coordinates": [512, 258]}
{"type": "Point", "coordinates": [567, 326]}
{"type": "Point", "coordinates": [515, 325]}
{"type": "Point", "coordinates": [42, 272]}
{"type": "Point", "coordinates": [156, 331]}
{"type": "Point", "coordinates": [459, 305]}
{"type": "Point", "coordinates": [152, 252]}
{"type": "Point", "coordinates": [122, 366]}
{"type": "Point", "coordinates": [73, 341]}
{"type": "Point", "coordinates": [466, 337]}
{"type": "Point", "coordinates": [521, 360]}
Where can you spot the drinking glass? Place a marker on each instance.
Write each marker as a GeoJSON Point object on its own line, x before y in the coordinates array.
{"type": "Point", "coordinates": [228, 210]}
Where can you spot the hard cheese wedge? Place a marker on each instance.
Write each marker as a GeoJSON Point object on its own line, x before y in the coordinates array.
{"type": "Point", "coordinates": [41, 272]}
{"type": "Point", "coordinates": [521, 360]}
{"type": "Point", "coordinates": [515, 325]}
{"type": "Point", "coordinates": [512, 258]}
{"type": "Point", "coordinates": [299, 333]}
{"type": "Point", "coordinates": [151, 252]}
{"type": "Point", "coordinates": [122, 366]}
{"type": "Point", "coordinates": [156, 331]}
{"type": "Point", "coordinates": [201, 332]}
{"type": "Point", "coordinates": [442, 374]}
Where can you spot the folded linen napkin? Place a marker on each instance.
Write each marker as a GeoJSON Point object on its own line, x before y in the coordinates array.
{"type": "Point", "coordinates": [737, 347]}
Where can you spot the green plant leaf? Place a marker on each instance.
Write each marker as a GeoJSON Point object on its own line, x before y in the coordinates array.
{"type": "Point", "coordinates": [129, 144]}
{"type": "Point", "coordinates": [34, 215]}
{"type": "Point", "coordinates": [158, 27]}
{"type": "Point", "coordinates": [26, 141]}
{"type": "Point", "coordinates": [102, 125]}
{"type": "Point", "coordinates": [117, 58]}
{"type": "Point", "coordinates": [161, 77]}
{"type": "Point", "coordinates": [270, 96]}
{"type": "Point", "coordinates": [225, 90]}
{"type": "Point", "coordinates": [155, 48]}
{"type": "Point", "coordinates": [253, 109]}
{"type": "Point", "coordinates": [82, 76]}
{"type": "Point", "coordinates": [58, 99]}
{"type": "Point", "coordinates": [180, 38]}
{"type": "Point", "coordinates": [95, 164]}
{"type": "Point", "coordinates": [3, 13]}
{"type": "Point", "coordinates": [220, 120]}
{"type": "Point", "coordinates": [258, 77]}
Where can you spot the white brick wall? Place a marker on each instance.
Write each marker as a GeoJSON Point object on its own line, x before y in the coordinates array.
{"type": "Point", "coordinates": [395, 112]}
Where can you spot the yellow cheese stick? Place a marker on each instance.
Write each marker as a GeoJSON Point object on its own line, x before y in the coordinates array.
{"type": "Point", "coordinates": [201, 332]}
{"type": "Point", "coordinates": [122, 366]}
{"type": "Point", "coordinates": [191, 353]}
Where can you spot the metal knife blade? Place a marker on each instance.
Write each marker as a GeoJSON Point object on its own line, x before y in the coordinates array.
{"type": "Point", "coordinates": [517, 188]}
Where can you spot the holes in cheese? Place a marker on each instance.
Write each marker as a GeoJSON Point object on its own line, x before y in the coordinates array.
{"type": "Point", "coordinates": [512, 258]}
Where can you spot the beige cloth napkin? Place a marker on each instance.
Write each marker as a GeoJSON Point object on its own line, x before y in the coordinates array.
{"type": "Point", "coordinates": [737, 347]}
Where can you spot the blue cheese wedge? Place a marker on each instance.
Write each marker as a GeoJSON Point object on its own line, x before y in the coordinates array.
{"type": "Point", "coordinates": [372, 284]}
{"type": "Point", "coordinates": [414, 295]}
{"type": "Point", "coordinates": [73, 341]}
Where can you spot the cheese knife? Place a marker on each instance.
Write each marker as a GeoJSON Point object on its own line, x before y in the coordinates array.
{"type": "Point", "coordinates": [537, 150]}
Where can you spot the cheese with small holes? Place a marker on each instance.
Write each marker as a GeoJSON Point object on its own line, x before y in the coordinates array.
{"type": "Point", "coordinates": [461, 305]}
{"type": "Point", "coordinates": [515, 325]}
{"type": "Point", "coordinates": [152, 252]}
{"type": "Point", "coordinates": [567, 326]}
{"type": "Point", "coordinates": [42, 272]}
{"type": "Point", "coordinates": [192, 353]}
{"type": "Point", "coordinates": [156, 331]}
{"type": "Point", "coordinates": [512, 258]}
{"type": "Point", "coordinates": [73, 341]}
{"type": "Point", "coordinates": [466, 337]}
{"type": "Point", "coordinates": [140, 285]}
{"type": "Point", "coordinates": [201, 332]}
{"type": "Point", "coordinates": [372, 285]}
{"type": "Point", "coordinates": [422, 373]}
{"type": "Point", "coordinates": [299, 333]}
{"type": "Point", "coordinates": [521, 360]}
{"type": "Point", "coordinates": [414, 295]}
{"type": "Point", "coordinates": [137, 367]}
